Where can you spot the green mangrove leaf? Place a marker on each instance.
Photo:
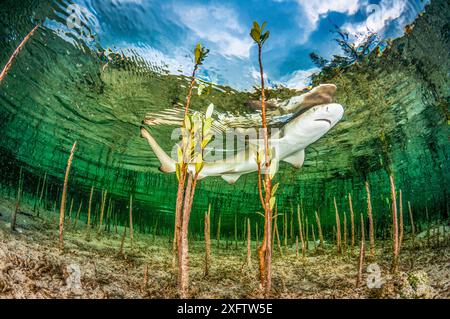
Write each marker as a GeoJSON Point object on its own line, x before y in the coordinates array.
{"type": "Point", "coordinates": [256, 26]}
{"type": "Point", "coordinates": [180, 154]}
{"type": "Point", "coordinates": [260, 214]}
{"type": "Point", "coordinates": [258, 157]}
{"type": "Point", "coordinates": [198, 160]}
{"type": "Point", "coordinates": [256, 36]}
{"type": "Point", "coordinates": [265, 37]}
{"type": "Point", "coordinates": [199, 166]}
{"type": "Point", "coordinates": [205, 52]}
{"type": "Point", "coordinates": [263, 26]}
{"type": "Point", "coordinates": [206, 140]}
{"type": "Point", "coordinates": [207, 126]}
{"type": "Point", "coordinates": [200, 89]}
{"type": "Point", "coordinates": [209, 111]}
{"type": "Point", "coordinates": [273, 169]}
{"type": "Point", "coordinates": [272, 202]}
{"type": "Point", "coordinates": [187, 122]}
{"type": "Point", "coordinates": [273, 152]}
{"type": "Point", "coordinates": [274, 189]}
{"type": "Point", "coordinates": [198, 53]}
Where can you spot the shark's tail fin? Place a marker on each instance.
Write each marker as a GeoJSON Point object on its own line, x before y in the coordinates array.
{"type": "Point", "coordinates": [167, 163]}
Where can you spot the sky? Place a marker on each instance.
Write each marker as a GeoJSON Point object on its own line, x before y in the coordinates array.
{"type": "Point", "coordinates": [165, 33]}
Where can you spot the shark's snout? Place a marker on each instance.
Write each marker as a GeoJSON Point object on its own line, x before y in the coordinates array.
{"type": "Point", "coordinates": [329, 113]}
{"type": "Point", "coordinates": [336, 109]}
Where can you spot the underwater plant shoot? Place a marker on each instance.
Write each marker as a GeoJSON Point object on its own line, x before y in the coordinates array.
{"type": "Point", "coordinates": [232, 158]}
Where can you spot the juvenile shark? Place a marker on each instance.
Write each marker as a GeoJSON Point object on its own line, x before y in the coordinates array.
{"type": "Point", "coordinates": [312, 119]}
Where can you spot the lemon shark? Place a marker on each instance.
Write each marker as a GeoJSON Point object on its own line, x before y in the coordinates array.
{"type": "Point", "coordinates": [313, 115]}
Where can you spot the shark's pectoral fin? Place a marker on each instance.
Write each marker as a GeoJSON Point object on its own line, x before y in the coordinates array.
{"type": "Point", "coordinates": [167, 163]}
{"type": "Point", "coordinates": [296, 159]}
{"type": "Point", "coordinates": [231, 178]}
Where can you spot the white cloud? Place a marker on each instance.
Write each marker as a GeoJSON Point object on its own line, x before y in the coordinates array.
{"type": "Point", "coordinates": [217, 24]}
{"type": "Point", "coordinates": [312, 10]}
{"type": "Point", "coordinates": [256, 75]}
{"type": "Point", "coordinates": [315, 8]}
{"type": "Point", "coordinates": [378, 17]}
{"type": "Point", "coordinates": [300, 78]}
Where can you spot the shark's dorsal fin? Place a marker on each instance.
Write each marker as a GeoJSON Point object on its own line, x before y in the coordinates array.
{"type": "Point", "coordinates": [231, 178]}
{"type": "Point", "coordinates": [296, 159]}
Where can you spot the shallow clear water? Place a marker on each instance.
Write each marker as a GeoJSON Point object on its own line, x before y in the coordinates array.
{"type": "Point", "coordinates": [60, 90]}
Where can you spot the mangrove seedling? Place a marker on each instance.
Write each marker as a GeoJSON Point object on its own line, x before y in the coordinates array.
{"type": "Point", "coordinates": [400, 240]}
{"type": "Point", "coordinates": [196, 135]}
{"type": "Point", "coordinates": [352, 221]}
{"type": "Point", "coordinates": [300, 230]}
{"type": "Point", "coordinates": [338, 229]}
{"type": "Point", "coordinates": [207, 240]}
{"type": "Point", "coordinates": [249, 243]}
{"type": "Point", "coordinates": [260, 36]}
{"type": "Point", "coordinates": [64, 196]}
{"type": "Point", "coordinates": [361, 254]}
{"type": "Point", "coordinates": [131, 220]}
{"type": "Point", "coordinates": [18, 198]}
{"type": "Point", "coordinates": [371, 226]}
{"type": "Point", "coordinates": [395, 243]}
{"type": "Point", "coordinates": [319, 229]}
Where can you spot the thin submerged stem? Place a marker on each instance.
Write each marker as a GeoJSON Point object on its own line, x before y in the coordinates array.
{"type": "Point", "coordinates": [64, 195]}
{"type": "Point", "coordinates": [361, 254]}
{"type": "Point", "coordinates": [371, 227]}
{"type": "Point", "coordinates": [18, 199]}
{"type": "Point", "coordinates": [395, 243]}
{"type": "Point", "coordinates": [207, 240]}
{"type": "Point", "coordinates": [16, 53]}
{"type": "Point", "coordinates": [268, 199]}
{"type": "Point", "coordinates": [187, 157]}
{"type": "Point", "coordinates": [352, 221]}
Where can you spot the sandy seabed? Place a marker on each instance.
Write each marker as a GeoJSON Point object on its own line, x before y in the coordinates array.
{"type": "Point", "coordinates": [33, 266]}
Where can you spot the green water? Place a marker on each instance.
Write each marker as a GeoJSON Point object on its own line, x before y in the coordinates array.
{"type": "Point", "coordinates": [396, 120]}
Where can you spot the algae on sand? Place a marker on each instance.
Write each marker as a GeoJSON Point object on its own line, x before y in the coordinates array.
{"type": "Point", "coordinates": [32, 266]}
